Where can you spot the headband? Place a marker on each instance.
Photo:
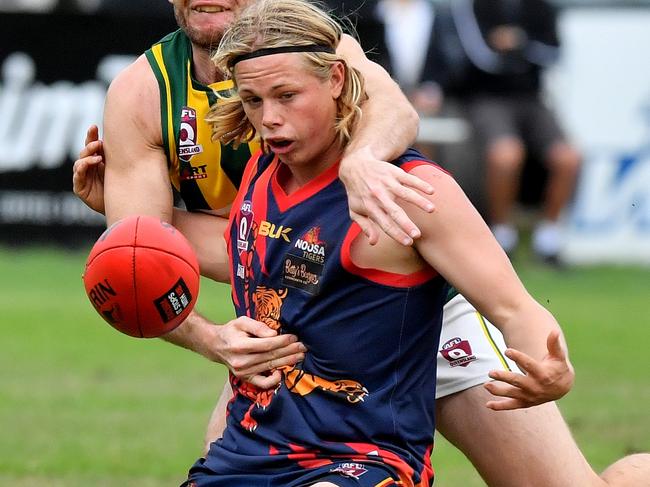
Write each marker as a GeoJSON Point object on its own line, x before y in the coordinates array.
{"type": "Point", "coordinates": [280, 50]}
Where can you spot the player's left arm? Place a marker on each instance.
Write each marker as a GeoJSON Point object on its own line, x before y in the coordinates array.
{"type": "Point", "coordinates": [458, 244]}
{"type": "Point", "coordinates": [206, 234]}
{"type": "Point", "coordinates": [389, 125]}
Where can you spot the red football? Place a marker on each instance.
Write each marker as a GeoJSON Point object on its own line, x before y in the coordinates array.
{"type": "Point", "coordinates": [142, 276]}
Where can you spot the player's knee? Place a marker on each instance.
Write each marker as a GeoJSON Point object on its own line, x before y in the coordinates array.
{"type": "Point", "coordinates": [630, 471]}
{"type": "Point", "coordinates": [565, 158]}
{"type": "Point", "coordinates": [506, 154]}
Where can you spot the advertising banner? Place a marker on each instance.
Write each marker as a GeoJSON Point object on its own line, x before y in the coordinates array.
{"type": "Point", "coordinates": [54, 72]}
{"type": "Point", "coordinates": [603, 88]}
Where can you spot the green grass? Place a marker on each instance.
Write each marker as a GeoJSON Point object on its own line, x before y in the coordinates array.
{"type": "Point", "coordinates": [81, 404]}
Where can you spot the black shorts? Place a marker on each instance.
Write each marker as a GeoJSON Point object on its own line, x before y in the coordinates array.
{"type": "Point", "coordinates": [521, 116]}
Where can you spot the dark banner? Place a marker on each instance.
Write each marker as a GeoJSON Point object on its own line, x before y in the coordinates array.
{"type": "Point", "coordinates": [54, 72]}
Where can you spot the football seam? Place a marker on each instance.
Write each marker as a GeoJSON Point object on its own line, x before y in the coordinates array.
{"type": "Point", "coordinates": [133, 246]}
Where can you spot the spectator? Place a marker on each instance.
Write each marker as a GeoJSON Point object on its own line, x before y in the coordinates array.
{"type": "Point", "coordinates": [507, 44]}
{"type": "Point", "coordinates": [421, 40]}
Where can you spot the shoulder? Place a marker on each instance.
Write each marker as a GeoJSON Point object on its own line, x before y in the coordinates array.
{"type": "Point", "coordinates": [412, 159]}
{"type": "Point", "coordinates": [134, 96]}
{"type": "Point", "coordinates": [135, 81]}
{"type": "Point", "coordinates": [446, 189]}
{"type": "Point", "coordinates": [430, 172]}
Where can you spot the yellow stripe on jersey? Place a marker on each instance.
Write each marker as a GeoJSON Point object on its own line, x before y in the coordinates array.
{"type": "Point", "coordinates": [157, 52]}
{"type": "Point", "coordinates": [217, 190]}
{"type": "Point", "coordinates": [491, 341]}
{"type": "Point", "coordinates": [383, 483]}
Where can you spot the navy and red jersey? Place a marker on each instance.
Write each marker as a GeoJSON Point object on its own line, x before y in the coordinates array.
{"type": "Point", "coordinates": [365, 390]}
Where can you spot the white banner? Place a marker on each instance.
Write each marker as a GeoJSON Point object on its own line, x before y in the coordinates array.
{"type": "Point", "coordinates": [602, 91]}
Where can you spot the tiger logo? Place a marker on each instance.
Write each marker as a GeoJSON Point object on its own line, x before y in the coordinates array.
{"type": "Point", "coordinates": [268, 305]}
{"type": "Point", "coordinates": [313, 236]}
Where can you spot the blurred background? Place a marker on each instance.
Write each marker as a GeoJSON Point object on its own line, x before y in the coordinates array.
{"type": "Point", "coordinates": [81, 404]}
{"type": "Point", "coordinates": [58, 56]}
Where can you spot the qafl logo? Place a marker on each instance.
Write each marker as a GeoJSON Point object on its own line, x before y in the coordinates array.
{"type": "Point", "coordinates": [458, 352]}
{"type": "Point", "coordinates": [244, 226]}
{"type": "Point", "coordinates": [188, 134]}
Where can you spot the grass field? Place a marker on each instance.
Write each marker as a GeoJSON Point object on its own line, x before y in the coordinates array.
{"type": "Point", "coordinates": [82, 405]}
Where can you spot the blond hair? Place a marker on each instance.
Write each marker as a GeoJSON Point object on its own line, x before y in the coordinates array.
{"type": "Point", "coordinates": [281, 23]}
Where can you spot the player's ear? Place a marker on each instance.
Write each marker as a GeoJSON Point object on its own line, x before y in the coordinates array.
{"type": "Point", "coordinates": [337, 79]}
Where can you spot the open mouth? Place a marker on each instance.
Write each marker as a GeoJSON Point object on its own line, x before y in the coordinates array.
{"type": "Point", "coordinates": [278, 144]}
{"type": "Point", "coordinates": [211, 9]}
{"type": "Point", "coordinates": [281, 143]}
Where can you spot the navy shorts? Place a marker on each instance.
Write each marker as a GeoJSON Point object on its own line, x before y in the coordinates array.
{"type": "Point", "coordinates": [342, 474]}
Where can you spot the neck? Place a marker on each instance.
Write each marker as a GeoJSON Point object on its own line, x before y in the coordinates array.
{"type": "Point", "coordinates": [294, 176]}
{"type": "Point", "coordinates": [204, 70]}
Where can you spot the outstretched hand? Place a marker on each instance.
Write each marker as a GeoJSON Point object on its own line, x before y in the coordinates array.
{"type": "Point", "coordinates": [373, 186]}
{"type": "Point", "coordinates": [88, 172]}
{"type": "Point", "coordinates": [542, 380]}
{"type": "Point", "coordinates": [253, 351]}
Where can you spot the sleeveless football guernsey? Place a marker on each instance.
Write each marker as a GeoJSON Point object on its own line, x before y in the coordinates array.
{"type": "Point", "coordinates": [364, 392]}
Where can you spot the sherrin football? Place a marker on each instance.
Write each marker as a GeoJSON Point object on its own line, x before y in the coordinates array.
{"type": "Point", "coordinates": [142, 276]}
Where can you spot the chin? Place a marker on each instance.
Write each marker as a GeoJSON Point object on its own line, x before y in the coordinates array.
{"type": "Point", "coordinates": [207, 38]}
{"type": "Point", "coordinates": [206, 31]}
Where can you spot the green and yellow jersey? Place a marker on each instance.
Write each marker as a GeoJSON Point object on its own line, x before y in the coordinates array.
{"type": "Point", "coordinates": [205, 173]}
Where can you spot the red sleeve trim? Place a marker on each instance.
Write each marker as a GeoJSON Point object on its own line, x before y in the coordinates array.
{"type": "Point", "coordinates": [409, 166]}
{"type": "Point", "coordinates": [376, 275]}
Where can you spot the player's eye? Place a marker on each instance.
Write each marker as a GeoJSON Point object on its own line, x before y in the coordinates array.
{"type": "Point", "coordinates": [252, 100]}
{"type": "Point", "coordinates": [287, 95]}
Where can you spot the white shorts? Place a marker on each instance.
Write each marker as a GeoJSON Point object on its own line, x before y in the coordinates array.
{"type": "Point", "coordinates": [470, 347]}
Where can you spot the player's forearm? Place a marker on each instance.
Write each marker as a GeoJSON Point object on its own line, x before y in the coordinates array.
{"type": "Point", "coordinates": [389, 124]}
{"type": "Point", "coordinates": [197, 334]}
{"type": "Point", "coordinates": [528, 328]}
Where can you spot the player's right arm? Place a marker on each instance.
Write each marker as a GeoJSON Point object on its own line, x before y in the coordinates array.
{"type": "Point", "coordinates": [136, 176]}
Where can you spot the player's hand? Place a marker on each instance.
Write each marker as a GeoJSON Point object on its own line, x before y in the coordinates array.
{"type": "Point", "coordinates": [373, 186]}
{"type": "Point", "coordinates": [253, 351]}
{"type": "Point", "coordinates": [542, 381]}
{"type": "Point", "coordinates": [88, 172]}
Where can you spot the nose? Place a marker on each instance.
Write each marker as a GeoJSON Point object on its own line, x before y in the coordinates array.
{"type": "Point", "coordinates": [271, 116]}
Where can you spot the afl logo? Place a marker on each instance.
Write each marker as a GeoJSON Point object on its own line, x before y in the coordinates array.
{"type": "Point", "coordinates": [188, 134]}
{"type": "Point", "coordinates": [458, 352]}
